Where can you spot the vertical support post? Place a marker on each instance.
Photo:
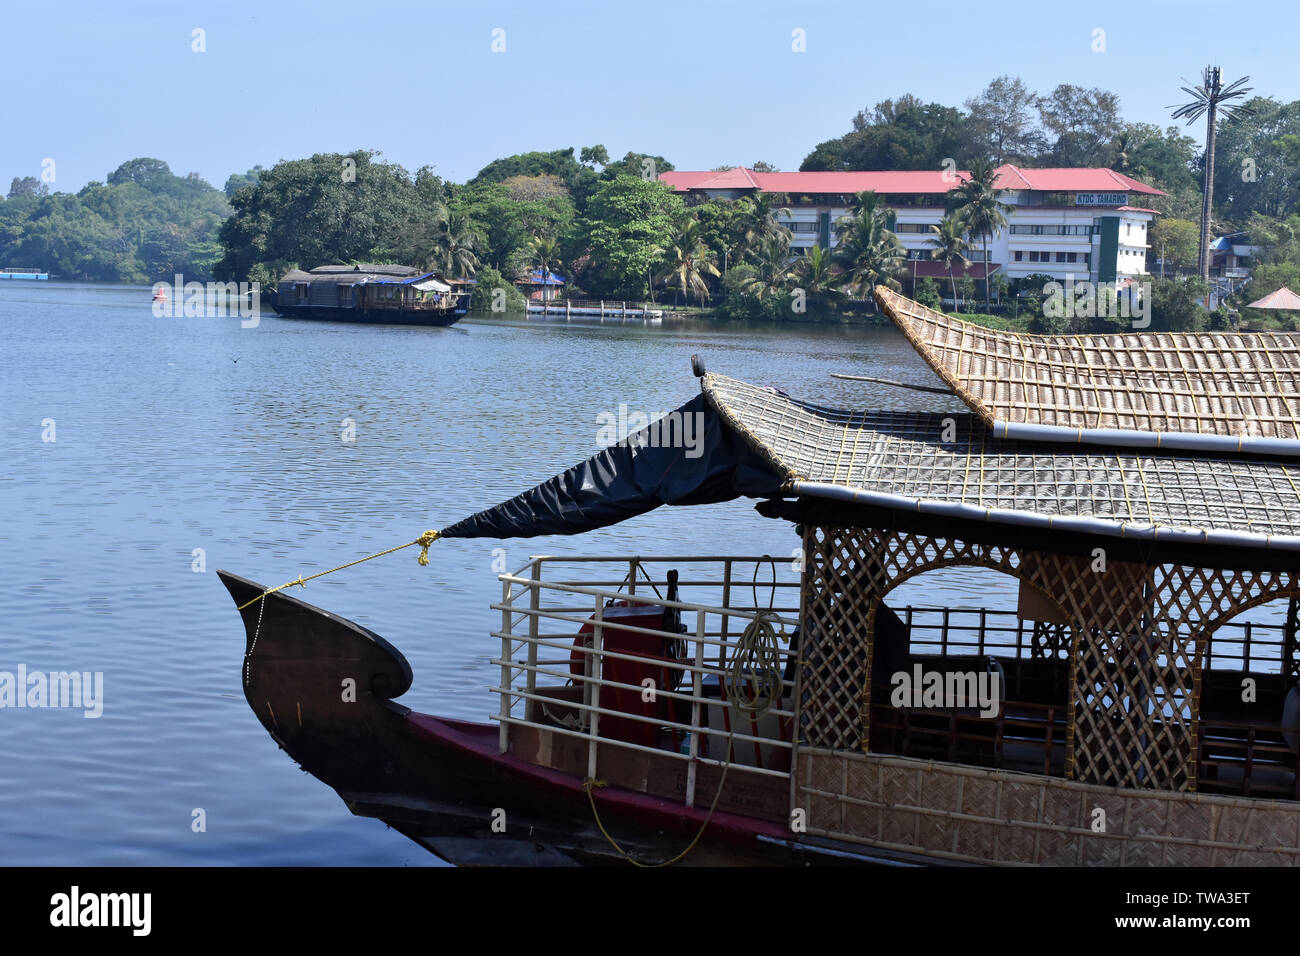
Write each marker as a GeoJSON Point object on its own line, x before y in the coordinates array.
{"type": "Point", "coordinates": [726, 618]}
{"type": "Point", "coordinates": [507, 649]}
{"type": "Point", "coordinates": [697, 691]}
{"type": "Point", "coordinates": [534, 604]}
{"type": "Point", "coordinates": [594, 671]}
{"type": "Point", "coordinates": [632, 566]}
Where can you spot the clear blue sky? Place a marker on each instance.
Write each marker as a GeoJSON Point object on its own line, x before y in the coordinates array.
{"type": "Point", "coordinates": [91, 84]}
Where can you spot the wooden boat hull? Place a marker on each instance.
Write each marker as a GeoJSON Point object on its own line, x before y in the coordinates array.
{"type": "Point", "coordinates": [420, 317]}
{"type": "Point", "coordinates": [323, 688]}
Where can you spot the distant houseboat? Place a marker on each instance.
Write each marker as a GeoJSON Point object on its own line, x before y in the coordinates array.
{"type": "Point", "coordinates": [387, 294]}
{"type": "Point", "coordinates": [13, 272]}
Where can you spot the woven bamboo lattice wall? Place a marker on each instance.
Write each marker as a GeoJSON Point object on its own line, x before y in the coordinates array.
{"type": "Point", "coordinates": [1136, 635]}
{"type": "Point", "coordinates": [1199, 383]}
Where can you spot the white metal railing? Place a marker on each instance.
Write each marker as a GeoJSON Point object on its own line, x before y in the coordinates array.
{"type": "Point", "coordinates": [563, 653]}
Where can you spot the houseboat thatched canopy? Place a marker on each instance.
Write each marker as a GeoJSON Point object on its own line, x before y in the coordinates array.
{"type": "Point", "coordinates": [1213, 391]}
{"type": "Point", "coordinates": [758, 442]}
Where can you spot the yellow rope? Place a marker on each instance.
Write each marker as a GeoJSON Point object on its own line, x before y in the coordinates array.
{"type": "Point", "coordinates": [591, 784]}
{"type": "Point", "coordinates": [423, 541]}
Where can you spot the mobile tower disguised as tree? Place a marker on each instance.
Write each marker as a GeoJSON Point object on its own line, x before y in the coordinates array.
{"type": "Point", "coordinates": [1209, 100]}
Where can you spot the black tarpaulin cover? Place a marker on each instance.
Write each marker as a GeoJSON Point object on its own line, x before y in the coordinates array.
{"type": "Point", "coordinates": [631, 478]}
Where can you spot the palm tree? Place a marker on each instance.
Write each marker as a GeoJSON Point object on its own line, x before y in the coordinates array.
{"type": "Point", "coordinates": [867, 249]}
{"type": "Point", "coordinates": [544, 252]}
{"type": "Point", "coordinates": [761, 220]}
{"type": "Point", "coordinates": [1209, 99]}
{"type": "Point", "coordinates": [978, 210]}
{"type": "Point", "coordinates": [817, 276]}
{"type": "Point", "coordinates": [688, 261]}
{"type": "Point", "coordinates": [773, 269]}
{"type": "Point", "coordinates": [949, 247]}
{"type": "Point", "coordinates": [451, 248]}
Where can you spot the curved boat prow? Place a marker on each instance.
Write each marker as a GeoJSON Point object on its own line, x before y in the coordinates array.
{"type": "Point", "coordinates": [318, 682]}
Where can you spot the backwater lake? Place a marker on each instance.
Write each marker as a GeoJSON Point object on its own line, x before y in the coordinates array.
{"type": "Point", "coordinates": [177, 434]}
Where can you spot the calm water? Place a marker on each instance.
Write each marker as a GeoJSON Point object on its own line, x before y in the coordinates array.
{"type": "Point", "coordinates": [178, 434]}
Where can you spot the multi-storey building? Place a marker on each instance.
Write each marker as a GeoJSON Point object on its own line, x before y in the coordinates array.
{"type": "Point", "coordinates": [1084, 224]}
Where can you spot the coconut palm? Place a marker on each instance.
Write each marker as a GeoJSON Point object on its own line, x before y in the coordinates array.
{"type": "Point", "coordinates": [1209, 100]}
{"type": "Point", "coordinates": [976, 207]}
{"type": "Point", "coordinates": [867, 250]}
{"type": "Point", "coordinates": [817, 276]}
{"type": "Point", "coordinates": [687, 260]}
{"type": "Point", "coordinates": [760, 220]}
{"type": "Point", "coordinates": [772, 268]}
{"type": "Point", "coordinates": [948, 245]}
{"type": "Point", "coordinates": [544, 253]}
{"type": "Point", "coordinates": [451, 248]}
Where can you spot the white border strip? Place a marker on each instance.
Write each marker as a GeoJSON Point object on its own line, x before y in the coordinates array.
{"type": "Point", "coordinates": [1085, 525]}
{"type": "Point", "coordinates": [1178, 441]}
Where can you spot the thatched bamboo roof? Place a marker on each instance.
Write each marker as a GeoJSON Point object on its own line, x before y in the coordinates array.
{"type": "Point", "coordinates": [901, 460]}
{"type": "Point", "coordinates": [1213, 391]}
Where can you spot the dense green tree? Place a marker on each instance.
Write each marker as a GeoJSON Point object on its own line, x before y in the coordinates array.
{"type": "Point", "coordinates": [1003, 119]}
{"type": "Point", "coordinates": [629, 221]}
{"type": "Point", "coordinates": [927, 293]}
{"type": "Point", "coordinates": [1176, 305]}
{"type": "Point", "coordinates": [899, 134]}
{"type": "Point", "coordinates": [1081, 124]}
{"type": "Point", "coordinates": [1166, 160]}
{"type": "Point", "coordinates": [492, 293]}
{"type": "Point", "coordinates": [327, 209]}
{"type": "Point", "coordinates": [145, 225]}
{"type": "Point", "coordinates": [596, 155]}
{"type": "Point", "coordinates": [1174, 241]}
{"type": "Point", "coordinates": [237, 181]}
{"type": "Point", "coordinates": [1257, 166]}
{"type": "Point", "coordinates": [27, 187]}
{"type": "Point", "coordinates": [505, 227]}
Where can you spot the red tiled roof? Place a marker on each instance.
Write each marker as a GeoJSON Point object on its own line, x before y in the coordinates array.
{"type": "Point", "coordinates": [682, 179]}
{"type": "Point", "coordinates": [1070, 180]}
{"type": "Point", "coordinates": [936, 181]}
{"type": "Point", "coordinates": [932, 269]}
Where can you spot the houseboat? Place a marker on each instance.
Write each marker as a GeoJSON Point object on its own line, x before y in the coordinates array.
{"type": "Point", "coordinates": [16, 272]}
{"type": "Point", "coordinates": [1143, 491]}
{"type": "Point", "coordinates": [386, 294]}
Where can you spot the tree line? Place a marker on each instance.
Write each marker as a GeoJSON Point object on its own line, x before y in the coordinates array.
{"type": "Point", "coordinates": [614, 231]}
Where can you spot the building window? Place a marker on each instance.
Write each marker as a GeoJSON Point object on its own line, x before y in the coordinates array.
{"type": "Point", "coordinates": [803, 227]}
{"type": "Point", "coordinates": [1019, 255]}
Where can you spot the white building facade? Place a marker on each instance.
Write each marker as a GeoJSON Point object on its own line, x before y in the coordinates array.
{"type": "Point", "coordinates": [1081, 224]}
